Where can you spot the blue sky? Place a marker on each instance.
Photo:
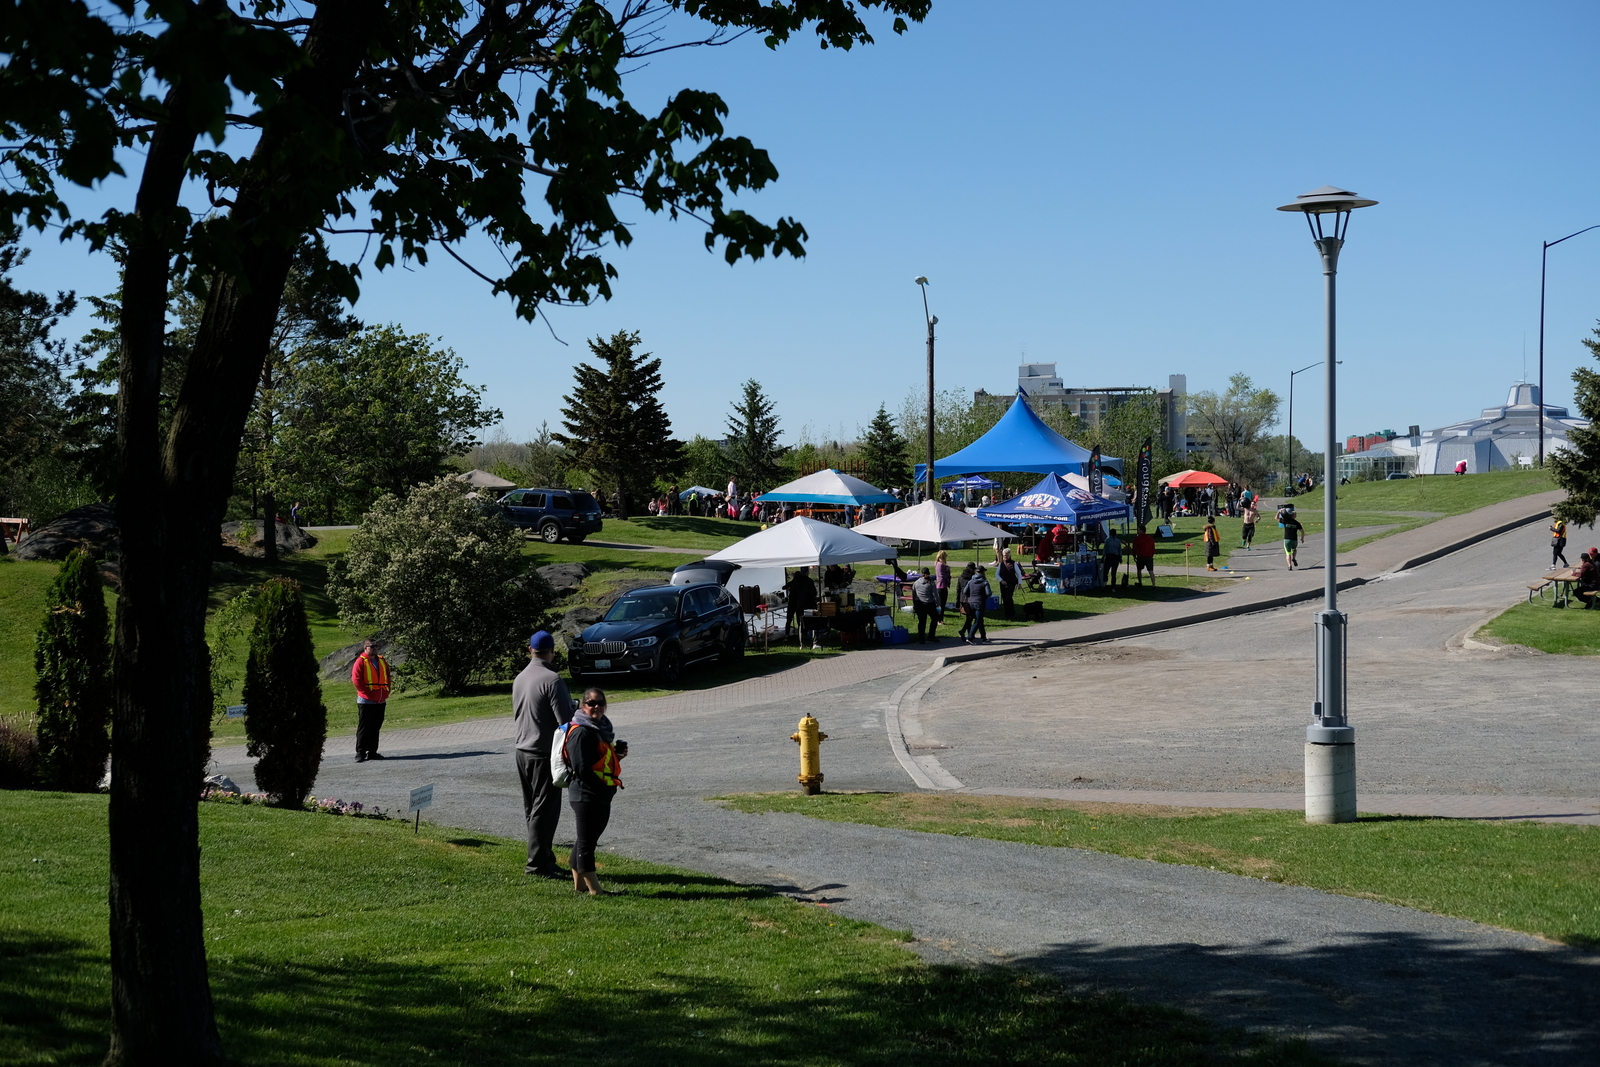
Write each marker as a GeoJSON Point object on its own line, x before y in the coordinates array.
{"type": "Point", "coordinates": [1094, 185]}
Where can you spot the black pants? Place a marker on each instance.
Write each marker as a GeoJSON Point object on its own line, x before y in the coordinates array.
{"type": "Point", "coordinates": [1006, 604]}
{"type": "Point", "coordinates": [927, 620]}
{"type": "Point", "coordinates": [1558, 551]}
{"type": "Point", "coordinates": [541, 809]}
{"type": "Point", "coordinates": [590, 818]}
{"type": "Point", "coordinates": [369, 720]}
{"type": "Point", "coordinates": [1113, 565]}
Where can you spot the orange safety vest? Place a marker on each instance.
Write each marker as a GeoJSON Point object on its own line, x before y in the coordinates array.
{"type": "Point", "coordinates": [374, 672]}
{"type": "Point", "coordinates": [1211, 534]}
{"type": "Point", "coordinates": [608, 767]}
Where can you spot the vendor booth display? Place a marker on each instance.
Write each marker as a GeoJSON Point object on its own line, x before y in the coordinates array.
{"type": "Point", "coordinates": [1056, 502]}
{"type": "Point", "coordinates": [1020, 441]}
{"type": "Point", "coordinates": [804, 542]}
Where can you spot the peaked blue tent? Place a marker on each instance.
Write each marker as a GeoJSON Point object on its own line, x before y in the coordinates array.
{"type": "Point", "coordinates": [1020, 441]}
{"type": "Point", "coordinates": [1054, 501]}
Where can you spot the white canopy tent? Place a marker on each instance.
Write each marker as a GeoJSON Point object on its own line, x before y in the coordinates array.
{"type": "Point", "coordinates": [484, 480]}
{"type": "Point", "coordinates": [803, 542]}
{"type": "Point", "coordinates": [829, 487]}
{"type": "Point", "coordinates": [930, 521]}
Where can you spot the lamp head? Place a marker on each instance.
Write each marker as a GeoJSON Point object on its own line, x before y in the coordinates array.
{"type": "Point", "coordinates": [1327, 200]}
{"type": "Point", "coordinates": [922, 279]}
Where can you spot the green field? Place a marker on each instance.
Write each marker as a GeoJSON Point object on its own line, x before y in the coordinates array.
{"type": "Point", "coordinates": [1536, 877]}
{"type": "Point", "coordinates": [1447, 494]}
{"type": "Point", "coordinates": [1569, 632]}
{"type": "Point", "coordinates": [334, 941]}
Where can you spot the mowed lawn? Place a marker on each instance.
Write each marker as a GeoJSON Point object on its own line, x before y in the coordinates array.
{"type": "Point", "coordinates": [1539, 624]}
{"type": "Point", "coordinates": [335, 941]}
{"type": "Point", "coordinates": [1540, 878]}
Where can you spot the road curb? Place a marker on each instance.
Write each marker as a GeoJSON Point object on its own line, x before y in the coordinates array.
{"type": "Point", "coordinates": [1470, 540]}
{"type": "Point", "coordinates": [925, 771]}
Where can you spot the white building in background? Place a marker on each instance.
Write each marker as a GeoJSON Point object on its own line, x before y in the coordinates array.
{"type": "Point", "coordinates": [1499, 438]}
{"type": "Point", "coordinates": [1045, 391]}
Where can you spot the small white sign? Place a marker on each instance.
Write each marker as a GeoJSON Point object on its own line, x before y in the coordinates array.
{"type": "Point", "coordinates": [421, 797]}
{"type": "Point", "coordinates": [237, 711]}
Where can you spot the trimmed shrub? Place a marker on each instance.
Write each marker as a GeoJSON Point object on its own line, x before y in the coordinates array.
{"type": "Point", "coordinates": [73, 663]}
{"type": "Point", "coordinates": [19, 757]}
{"type": "Point", "coordinates": [444, 575]}
{"type": "Point", "coordinates": [287, 721]}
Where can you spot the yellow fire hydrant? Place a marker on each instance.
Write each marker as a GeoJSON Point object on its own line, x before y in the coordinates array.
{"type": "Point", "coordinates": [809, 737]}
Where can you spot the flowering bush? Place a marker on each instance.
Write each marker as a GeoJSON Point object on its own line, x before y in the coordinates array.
{"type": "Point", "coordinates": [325, 805]}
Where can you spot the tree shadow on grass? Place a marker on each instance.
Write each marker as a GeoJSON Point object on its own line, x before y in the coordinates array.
{"type": "Point", "coordinates": [383, 1012]}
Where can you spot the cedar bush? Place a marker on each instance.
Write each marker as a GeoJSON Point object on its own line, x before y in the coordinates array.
{"type": "Point", "coordinates": [444, 575]}
{"type": "Point", "coordinates": [287, 721]}
{"type": "Point", "coordinates": [72, 660]}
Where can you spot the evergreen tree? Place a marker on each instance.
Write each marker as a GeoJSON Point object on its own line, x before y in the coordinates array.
{"type": "Point", "coordinates": [616, 426]}
{"type": "Point", "coordinates": [1577, 467]}
{"type": "Point", "coordinates": [287, 722]}
{"type": "Point", "coordinates": [753, 450]}
{"type": "Point", "coordinates": [73, 662]}
{"type": "Point", "coordinates": [883, 451]}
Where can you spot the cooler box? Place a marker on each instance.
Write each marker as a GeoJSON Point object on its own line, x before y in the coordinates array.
{"type": "Point", "coordinates": [993, 604]}
{"type": "Point", "coordinates": [897, 636]}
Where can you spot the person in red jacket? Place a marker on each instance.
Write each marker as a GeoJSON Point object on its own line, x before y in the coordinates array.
{"type": "Point", "coordinates": [370, 673]}
{"type": "Point", "coordinates": [1144, 556]}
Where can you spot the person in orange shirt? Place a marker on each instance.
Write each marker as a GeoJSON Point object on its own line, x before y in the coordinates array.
{"type": "Point", "coordinates": [370, 673]}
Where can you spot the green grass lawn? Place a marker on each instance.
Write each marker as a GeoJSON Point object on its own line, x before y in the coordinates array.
{"type": "Point", "coordinates": [1446, 494]}
{"type": "Point", "coordinates": [334, 940]}
{"type": "Point", "coordinates": [1536, 877]}
{"type": "Point", "coordinates": [1572, 632]}
{"type": "Point", "coordinates": [677, 531]}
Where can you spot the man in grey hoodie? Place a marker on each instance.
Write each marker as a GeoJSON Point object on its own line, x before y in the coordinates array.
{"type": "Point", "coordinates": [925, 602]}
{"type": "Point", "coordinates": [539, 703]}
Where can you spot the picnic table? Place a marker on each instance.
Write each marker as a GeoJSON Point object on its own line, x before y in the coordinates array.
{"type": "Point", "coordinates": [1565, 581]}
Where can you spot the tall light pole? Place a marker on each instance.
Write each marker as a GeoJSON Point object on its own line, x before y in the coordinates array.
{"type": "Point", "coordinates": [1292, 373]}
{"type": "Point", "coordinates": [1330, 739]}
{"type": "Point", "coordinates": [933, 320]}
{"type": "Point", "coordinates": [1544, 259]}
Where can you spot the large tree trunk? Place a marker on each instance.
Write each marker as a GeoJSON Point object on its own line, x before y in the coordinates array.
{"type": "Point", "coordinates": [170, 501]}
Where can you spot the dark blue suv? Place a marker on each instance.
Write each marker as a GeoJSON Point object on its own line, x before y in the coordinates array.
{"type": "Point", "coordinates": [661, 630]}
{"type": "Point", "coordinates": [553, 513]}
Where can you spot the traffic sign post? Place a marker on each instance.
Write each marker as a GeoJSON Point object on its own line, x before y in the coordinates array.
{"type": "Point", "coordinates": [421, 797]}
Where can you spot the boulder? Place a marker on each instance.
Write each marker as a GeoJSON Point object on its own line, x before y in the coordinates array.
{"type": "Point", "coordinates": [223, 783]}
{"type": "Point", "coordinates": [291, 538]}
{"type": "Point", "coordinates": [579, 619]}
{"type": "Point", "coordinates": [564, 578]}
{"type": "Point", "coordinates": [336, 665]}
{"type": "Point", "coordinates": [93, 526]}
{"type": "Point", "coordinates": [111, 575]}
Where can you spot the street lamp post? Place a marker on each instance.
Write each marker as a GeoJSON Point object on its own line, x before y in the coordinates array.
{"type": "Point", "coordinates": [933, 320]}
{"type": "Point", "coordinates": [1330, 739]}
{"type": "Point", "coordinates": [1292, 373]}
{"type": "Point", "coordinates": [1544, 259]}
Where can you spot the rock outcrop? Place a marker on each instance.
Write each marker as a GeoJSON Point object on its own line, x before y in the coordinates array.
{"type": "Point", "coordinates": [93, 526]}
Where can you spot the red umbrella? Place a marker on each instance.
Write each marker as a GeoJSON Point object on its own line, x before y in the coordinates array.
{"type": "Point", "coordinates": [1193, 479]}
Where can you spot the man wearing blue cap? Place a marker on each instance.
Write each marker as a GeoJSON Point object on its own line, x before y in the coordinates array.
{"type": "Point", "coordinates": [539, 703]}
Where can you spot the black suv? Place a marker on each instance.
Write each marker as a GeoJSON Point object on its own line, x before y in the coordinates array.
{"type": "Point", "coordinates": [554, 513]}
{"type": "Point", "coordinates": [661, 629]}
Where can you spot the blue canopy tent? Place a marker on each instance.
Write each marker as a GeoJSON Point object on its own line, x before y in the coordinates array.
{"type": "Point", "coordinates": [974, 481]}
{"type": "Point", "coordinates": [1020, 441]}
{"type": "Point", "coordinates": [1053, 502]}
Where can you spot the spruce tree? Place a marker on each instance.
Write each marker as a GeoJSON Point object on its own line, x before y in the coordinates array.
{"type": "Point", "coordinates": [1577, 467]}
{"type": "Point", "coordinates": [883, 452]}
{"type": "Point", "coordinates": [287, 722]}
{"type": "Point", "coordinates": [73, 663]}
{"type": "Point", "coordinates": [753, 449]}
{"type": "Point", "coordinates": [616, 426]}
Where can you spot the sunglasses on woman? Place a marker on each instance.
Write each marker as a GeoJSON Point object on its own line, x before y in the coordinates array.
{"type": "Point", "coordinates": [594, 703]}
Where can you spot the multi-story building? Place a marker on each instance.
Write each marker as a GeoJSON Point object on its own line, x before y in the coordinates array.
{"type": "Point", "coordinates": [1045, 392]}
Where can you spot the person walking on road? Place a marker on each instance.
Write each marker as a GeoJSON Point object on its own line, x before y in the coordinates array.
{"type": "Point", "coordinates": [595, 756]}
{"type": "Point", "coordinates": [1250, 514]}
{"type": "Point", "coordinates": [1292, 532]}
{"type": "Point", "coordinates": [925, 602]}
{"type": "Point", "coordinates": [1558, 543]}
{"type": "Point", "coordinates": [370, 673]}
{"type": "Point", "coordinates": [1213, 540]}
{"type": "Point", "coordinates": [540, 703]}
{"type": "Point", "coordinates": [976, 594]}
{"type": "Point", "coordinates": [1144, 556]}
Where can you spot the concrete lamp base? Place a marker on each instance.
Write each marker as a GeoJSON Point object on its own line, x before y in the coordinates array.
{"type": "Point", "coordinates": [1330, 782]}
